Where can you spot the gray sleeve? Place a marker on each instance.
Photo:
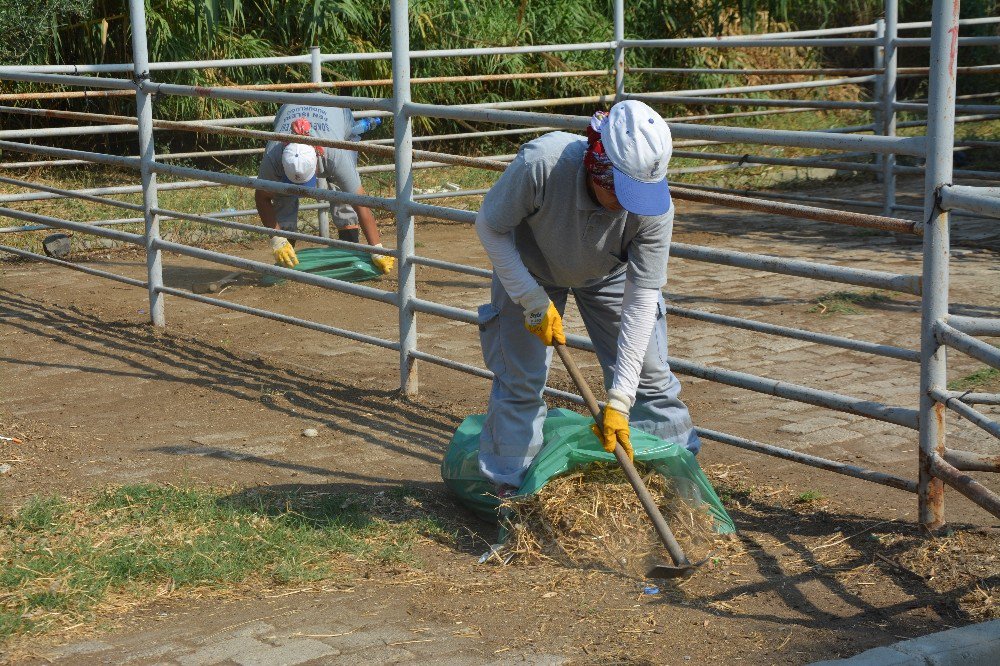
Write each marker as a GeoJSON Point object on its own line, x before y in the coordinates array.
{"type": "Point", "coordinates": [342, 169]}
{"type": "Point", "coordinates": [270, 165]}
{"type": "Point", "coordinates": [648, 252]}
{"type": "Point", "coordinates": [515, 196]}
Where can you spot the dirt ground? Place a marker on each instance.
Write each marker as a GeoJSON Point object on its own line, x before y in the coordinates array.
{"type": "Point", "coordinates": [221, 398]}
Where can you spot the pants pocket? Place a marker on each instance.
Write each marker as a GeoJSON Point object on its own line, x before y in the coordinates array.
{"type": "Point", "coordinates": [490, 338]}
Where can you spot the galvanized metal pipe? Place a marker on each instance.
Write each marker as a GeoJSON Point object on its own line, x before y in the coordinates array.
{"type": "Point", "coordinates": [335, 196]}
{"type": "Point", "coordinates": [972, 415]}
{"type": "Point", "coordinates": [970, 398]}
{"type": "Point", "coordinates": [964, 484]}
{"type": "Point", "coordinates": [816, 71]}
{"type": "Point", "coordinates": [745, 42]}
{"type": "Point", "coordinates": [888, 102]}
{"type": "Point", "coordinates": [64, 131]}
{"type": "Point", "coordinates": [619, 53]}
{"type": "Point", "coordinates": [909, 42]}
{"type": "Point", "coordinates": [59, 223]}
{"type": "Point", "coordinates": [76, 267]}
{"type": "Point", "coordinates": [813, 461]}
{"type": "Point", "coordinates": [909, 284]}
{"type": "Point", "coordinates": [936, 247]}
{"type": "Point", "coordinates": [862, 346]}
{"type": "Point", "coordinates": [284, 319]}
{"type": "Point", "coordinates": [239, 95]}
{"type": "Point", "coordinates": [451, 266]}
{"type": "Point", "coordinates": [316, 76]}
{"type": "Point", "coordinates": [57, 193]}
{"type": "Point", "coordinates": [267, 231]}
{"type": "Point", "coordinates": [975, 325]}
{"type": "Point", "coordinates": [404, 155]}
{"type": "Point", "coordinates": [983, 200]}
{"type": "Point", "coordinates": [351, 288]}
{"type": "Point", "coordinates": [691, 100]}
{"type": "Point", "coordinates": [100, 158]}
{"type": "Point", "coordinates": [963, 342]}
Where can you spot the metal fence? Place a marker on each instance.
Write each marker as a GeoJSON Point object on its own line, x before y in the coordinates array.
{"type": "Point", "coordinates": [871, 147]}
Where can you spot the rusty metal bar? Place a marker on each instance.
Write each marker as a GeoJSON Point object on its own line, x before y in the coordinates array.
{"type": "Point", "coordinates": [965, 484]}
{"type": "Point", "coordinates": [813, 461]}
{"type": "Point", "coordinates": [967, 412]}
{"type": "Point", "coordinates": [968, 461]}
{"type": "Point", "coordinates": [795, 210]}
{"type": "Point", "coordinates": [936, 248]}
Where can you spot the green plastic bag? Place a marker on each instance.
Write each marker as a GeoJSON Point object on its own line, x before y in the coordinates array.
{"type": "Point", "coordinates": [568, 444]}
{"type": "Point", "coordinates": [332, 262]}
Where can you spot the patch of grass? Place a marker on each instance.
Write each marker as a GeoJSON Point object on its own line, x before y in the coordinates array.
{"type": "Point", "coordinates": [808, 497]}
{"type": "Point", "coordinates": [844, 302]}
{"type": "Point", "coordinates": [60, 560]}
{"type": "Point", "coordinates": [985, 379]}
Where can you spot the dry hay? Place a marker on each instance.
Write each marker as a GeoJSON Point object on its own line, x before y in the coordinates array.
{"type": "Point", "coordinates": [592, 519]}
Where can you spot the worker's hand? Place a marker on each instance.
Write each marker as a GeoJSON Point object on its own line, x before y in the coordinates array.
{"type": "Point", "coordinates": [383, 262]}
{"type": "Point", "coordinates": [614, 427]}
{"type": "Point", "coordinates": [546, 324]}
{"type": "Point", "coordinates": [283, 251]}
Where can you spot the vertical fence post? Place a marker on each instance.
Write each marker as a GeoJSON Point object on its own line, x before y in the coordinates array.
{"type": "Point", "coordinates": [940, 144]}
{"type": "Point", "coordinates": [144, 115]}
{"type": "Point", "coordinates": [889, 62]}
{"type": "Point", "coordinates": [403, 139]}
{"type": "Point", "coordinates": [316, 76]}
{"type": "Point", "coordinates": [619, 50]}
{"type": "Point", "coordinates": [878, 62]}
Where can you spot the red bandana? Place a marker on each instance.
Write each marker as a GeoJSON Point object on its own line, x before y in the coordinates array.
{"type": "Point", "coordinates": [595, 160]}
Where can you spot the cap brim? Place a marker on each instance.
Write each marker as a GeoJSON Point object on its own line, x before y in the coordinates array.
{"type": "Point", "coordinates": [309, 183]}
{"type": "Point", "coordinates": [641, 198]}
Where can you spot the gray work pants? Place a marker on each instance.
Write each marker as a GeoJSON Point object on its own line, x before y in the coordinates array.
{"type": "Point", "coordinates": [512, 432]}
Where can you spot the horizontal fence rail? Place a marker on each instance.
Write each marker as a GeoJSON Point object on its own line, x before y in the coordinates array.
{"type": "Point", "coordinates": [872, 147]}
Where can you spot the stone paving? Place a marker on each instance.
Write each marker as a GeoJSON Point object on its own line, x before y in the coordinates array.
{"type": "Point", "coordinates": [333, 630]}
{"type": "Point", "coordinates": [328, 635]}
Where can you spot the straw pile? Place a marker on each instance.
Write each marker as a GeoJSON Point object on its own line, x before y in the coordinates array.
{"type": "Point", "coordinates": [592, 518]}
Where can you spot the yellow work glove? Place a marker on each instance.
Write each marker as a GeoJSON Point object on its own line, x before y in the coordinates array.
{"type": "Point", "coordinates": [542, 318]}
{"type": "Point", "coordinates": [615, 428]}
{"type": "Point", "coordinates": [382, 262]}
{"type": "Point", "coordinates": [284, 253]}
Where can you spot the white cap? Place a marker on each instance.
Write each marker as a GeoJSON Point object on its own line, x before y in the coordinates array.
{"type": "Point", "coordinates": [299, 162]}
{"type": "Point", "coordinates": [637, 141]}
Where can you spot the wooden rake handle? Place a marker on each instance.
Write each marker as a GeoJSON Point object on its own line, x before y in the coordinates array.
{"type": "Point", "coordinates": [662, 529]}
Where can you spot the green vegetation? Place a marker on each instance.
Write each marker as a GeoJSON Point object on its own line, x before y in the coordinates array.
{"type": "Point", "coordinates": [60, 560]}
{"type": "Point", "coordinates": [844, 302]}
{"type": "Point", "coordinates": [985, 379]}
{"type": "Point", "coordinates": [808, 497]}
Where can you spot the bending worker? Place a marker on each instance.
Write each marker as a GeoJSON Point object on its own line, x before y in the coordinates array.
{"type": "Point", "coordinates": [592, 216]}
{"type": "Point", "coordinates": [303, 164]}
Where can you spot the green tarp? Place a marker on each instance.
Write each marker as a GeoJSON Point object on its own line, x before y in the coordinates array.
{"type": "Point", "coordinates": [331, 262]}
{"type": "Point", "coordinates": [568, 445]}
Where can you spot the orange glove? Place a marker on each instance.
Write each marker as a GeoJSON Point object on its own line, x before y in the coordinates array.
{"type": "Point", "coordinates": [615, 429]}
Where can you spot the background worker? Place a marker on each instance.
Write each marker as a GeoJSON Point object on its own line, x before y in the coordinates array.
{"type": "Point", "coordinates": [592, 216]}
{"type": "Point", "coordinates": [303, 164]}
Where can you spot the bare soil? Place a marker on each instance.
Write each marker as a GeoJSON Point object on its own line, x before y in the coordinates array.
{"type": "Point", "coordinates": [219, 398]}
